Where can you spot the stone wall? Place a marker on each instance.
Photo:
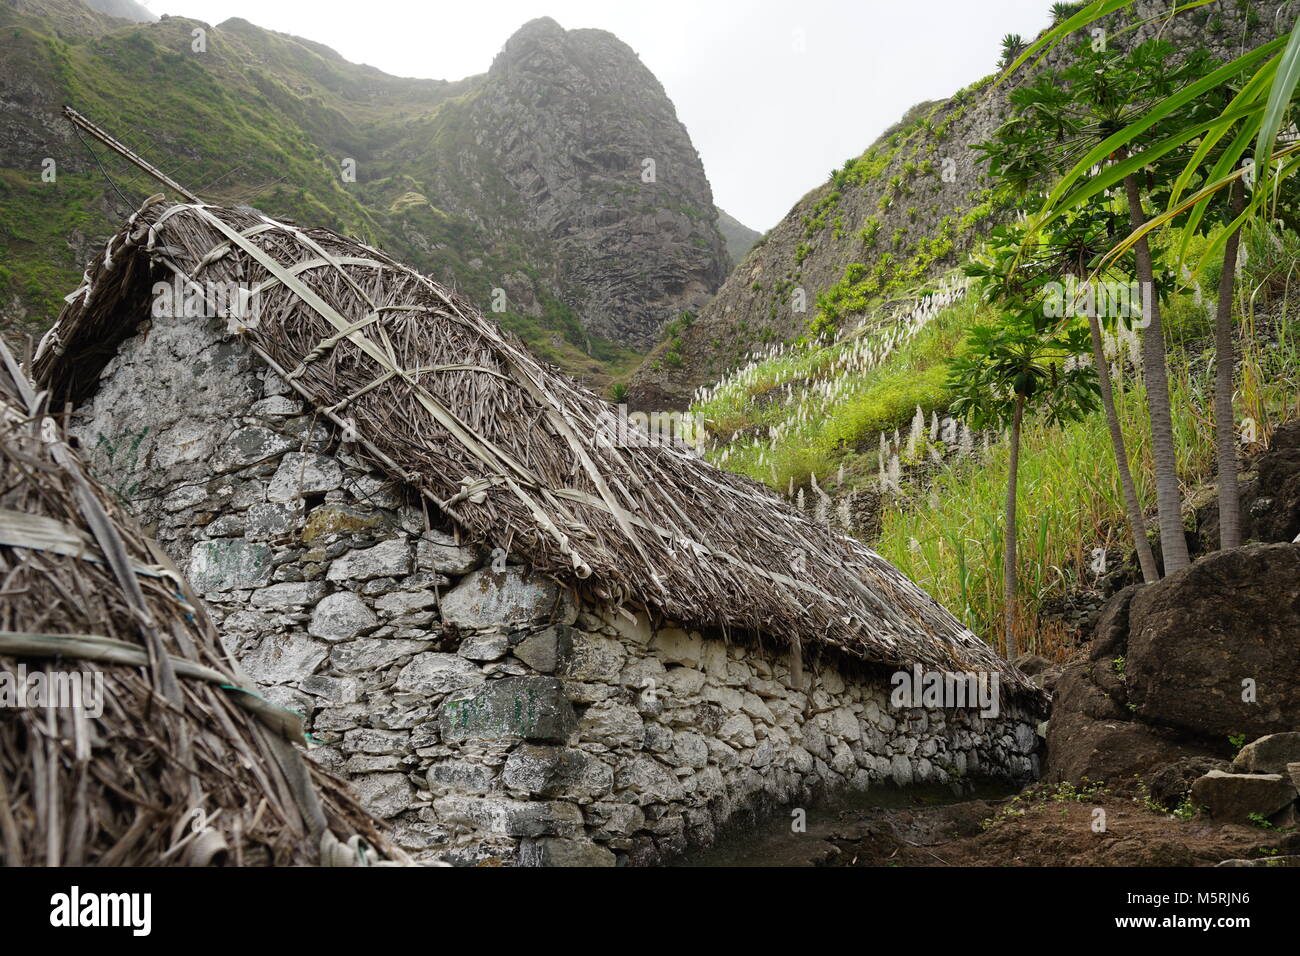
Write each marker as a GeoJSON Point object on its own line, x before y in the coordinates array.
{"type": "Point", "coordinates": [482, 710]}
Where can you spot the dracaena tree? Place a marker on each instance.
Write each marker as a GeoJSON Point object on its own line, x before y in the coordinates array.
{"type": "Point", "coordinates": [1024, 364]}
{"type": "Point", "coordinates": [1058, 120]}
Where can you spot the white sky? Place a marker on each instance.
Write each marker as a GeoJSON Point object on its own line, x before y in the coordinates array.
{"type": "Point", "coordinates": [771, 117]}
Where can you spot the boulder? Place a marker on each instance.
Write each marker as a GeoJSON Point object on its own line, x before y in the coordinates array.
{"type": "Point", "coordinates": [1271, 754]}
{"type": "Point", "coordinates": [1241, 797]}
{"type": "Point", "coordinates": [1204, 638]}
{"type": "Point", "coordinates": [1091, 737]}
{"type": "Point", "coordinates": [1170, 785]}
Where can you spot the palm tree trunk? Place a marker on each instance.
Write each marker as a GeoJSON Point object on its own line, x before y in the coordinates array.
{"type": "Point", "coordinates": [1009, 551]}
{"type": "Point", "coordinates": [1133, 508]}
{"type": "Point", "coordinates": [1169, 499]}
{"type": "Point", "coordinates": [1225, 360]}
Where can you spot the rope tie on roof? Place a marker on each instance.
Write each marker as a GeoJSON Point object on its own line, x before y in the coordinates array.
{"type": "Point", "coordinates": [327, 345]}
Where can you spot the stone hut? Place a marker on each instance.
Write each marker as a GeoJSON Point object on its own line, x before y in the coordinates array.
{"type": "Point", "coordinates": [128, 735]}
{"type": "Point", "coordinates": [522, 635]}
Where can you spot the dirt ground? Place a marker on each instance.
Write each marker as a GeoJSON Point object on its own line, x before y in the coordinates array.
{"type": "Point", "coordinates": [1041, 826]}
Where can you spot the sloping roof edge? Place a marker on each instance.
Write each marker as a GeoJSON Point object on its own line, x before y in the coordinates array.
{"type": "Point", "coordinates": [510, 448]}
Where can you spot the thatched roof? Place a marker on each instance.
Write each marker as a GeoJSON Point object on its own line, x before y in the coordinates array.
{"type": "Point", "coordinates": [183, 766]}
{"type": "Point", "coordinates": [508, 446]}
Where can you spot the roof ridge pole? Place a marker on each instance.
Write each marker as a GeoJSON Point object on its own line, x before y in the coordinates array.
{"type": "Point", "coordinates": [76, 119]}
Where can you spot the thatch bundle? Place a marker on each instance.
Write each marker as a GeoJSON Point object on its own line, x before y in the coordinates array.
{"type": "Point", "coordinates": [170, 760]}
{"type": "Point", "coordinates": [512, 450]}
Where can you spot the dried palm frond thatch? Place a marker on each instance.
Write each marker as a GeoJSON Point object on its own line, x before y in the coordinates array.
{"type": "Point", "coordinates": [170, 761]}
{"type": "Point", "coordinates": [515, 452]}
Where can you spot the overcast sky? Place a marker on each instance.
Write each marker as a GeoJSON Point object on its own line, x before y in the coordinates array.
{"type": "Point", "coordinates": [775, 93]}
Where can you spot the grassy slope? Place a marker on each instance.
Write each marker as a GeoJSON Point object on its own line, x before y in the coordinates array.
{"type": "Point", "coordinates": [817, 411]}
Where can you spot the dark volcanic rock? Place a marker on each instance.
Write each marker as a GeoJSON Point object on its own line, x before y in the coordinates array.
{"type": "Point", "coordinates": [1197, 638]}
{"type": "Point", "coordinates": [572, 120]}
{"type": "Point", "coordinates": [1092, 734]}
{"type": "Point", "coordinates": [1171, 784]}
{"type": "Point", "coordinates": [1271, 754]}
{"type": "Point", "coordinates": [1239, 797]}
{"type": "Point", "coordinates": [1274, 505]}
{"type": "Point", "coordinates": [1270, 503]}
{"type": "Point", "coordinates": [1091, 738]}
{"type": "Point", "coordinates": [1164, 679]}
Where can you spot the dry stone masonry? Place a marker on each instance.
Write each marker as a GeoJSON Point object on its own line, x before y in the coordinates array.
{"type": "Point", "coordinates": [478, 707]}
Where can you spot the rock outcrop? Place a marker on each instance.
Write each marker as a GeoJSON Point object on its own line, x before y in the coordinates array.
{"type": "Point", "coordinates": [1179, 667]}
{"type": "Point", "coordinates": [1270, 500]}
{"type": "Point", "coordinates": [1214, 650]}
{"type": "Point", "coordinates": [597, 161]}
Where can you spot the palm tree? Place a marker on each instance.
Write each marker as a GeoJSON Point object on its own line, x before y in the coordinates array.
{"type": "Point", "coordinates": [1249, 118]}
{"type": "Point", "coordinates": [1065, 114]}
{"type": "Point", "coordinates": [1225, 363]}
{"type": "Point", "coordinates": [1169, 497]}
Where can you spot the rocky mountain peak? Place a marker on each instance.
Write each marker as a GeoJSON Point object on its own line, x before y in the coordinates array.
{"type": "Point", "coordinates": [558, 189]}
{"type": "Point", "coordinates": [588, 138]}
